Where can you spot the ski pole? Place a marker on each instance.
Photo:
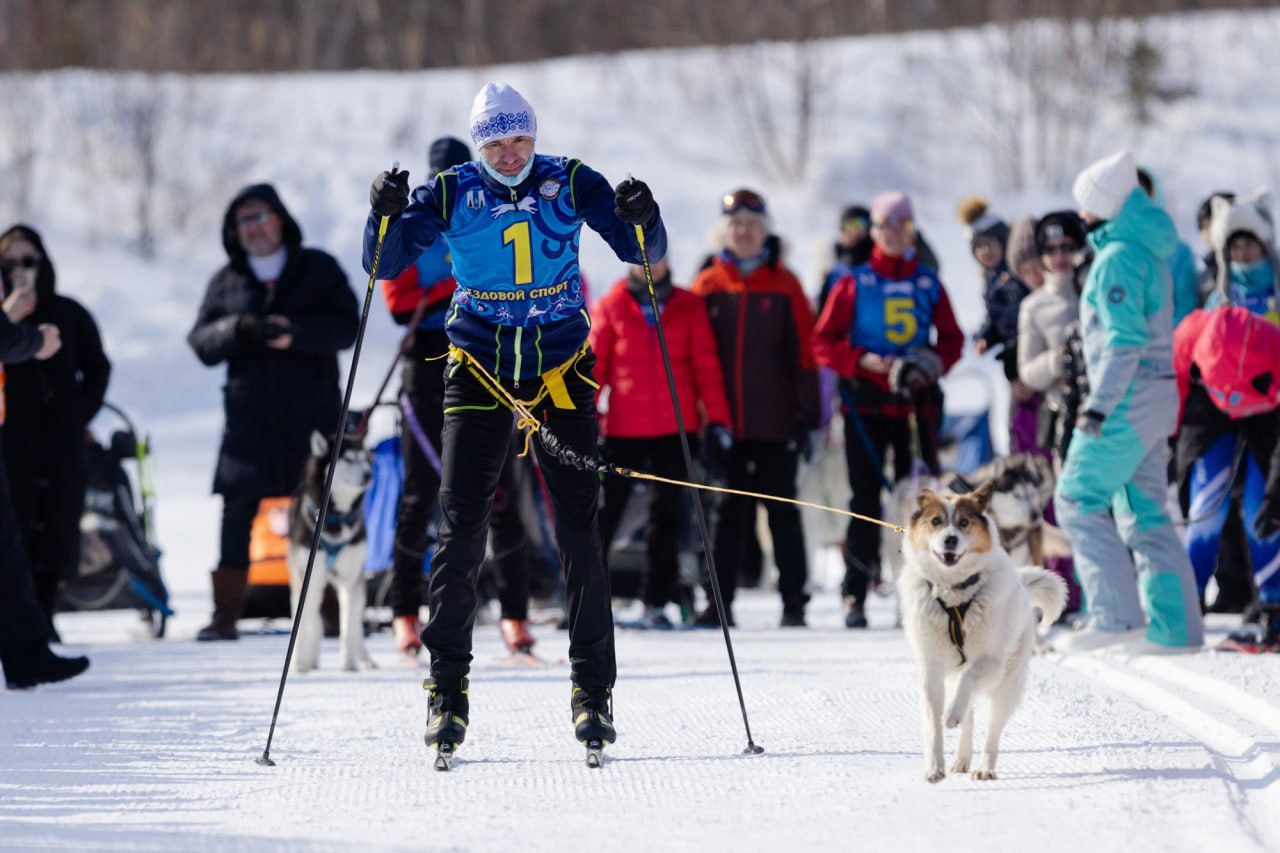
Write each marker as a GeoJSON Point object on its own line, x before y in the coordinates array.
{"type": "Point", "coordinates": [265, 758]}
{"type": "Point", "coordinates": [707, 549]}
{"type": "Point", "coordinates": [377, 398]}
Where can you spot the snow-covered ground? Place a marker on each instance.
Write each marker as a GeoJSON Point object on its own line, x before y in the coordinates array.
{"type": "Point", "coordinates": [153, 747]}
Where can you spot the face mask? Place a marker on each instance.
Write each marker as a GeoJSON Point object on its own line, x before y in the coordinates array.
{"type": "Point", "coordinates": [508, 180]}
{"type": "Point", "coordinates": [1253, 276]}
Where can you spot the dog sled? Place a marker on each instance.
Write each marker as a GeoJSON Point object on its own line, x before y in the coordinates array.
{"type": "Point", "coordinates": [119, 559]}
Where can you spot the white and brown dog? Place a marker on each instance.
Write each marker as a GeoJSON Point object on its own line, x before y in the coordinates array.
{"type": "Point", "coordinates": [969, 616]}
{"type": "Point", "coordinates": [340, 556]}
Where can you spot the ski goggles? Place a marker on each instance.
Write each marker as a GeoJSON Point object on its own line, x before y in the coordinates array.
{"type": "Point", "coordinates": [855, 223]}
{"type": "Point", "coordinates": [742, 200]}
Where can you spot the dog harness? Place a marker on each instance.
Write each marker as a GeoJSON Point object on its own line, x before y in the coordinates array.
{"type": "Point", "coordinates": [956, 613]}
{"type": "Point", "coordinates": [334, 521]}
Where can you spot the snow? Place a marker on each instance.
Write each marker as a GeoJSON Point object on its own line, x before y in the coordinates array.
{"type": "Point", "coordinates": [153, 748]}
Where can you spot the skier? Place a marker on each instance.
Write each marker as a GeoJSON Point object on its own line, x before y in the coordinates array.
{"type": "Point", "coordinates": [419, 298]}
{"type": "Point", "coordinates": [875, 332]}
{"type": "Point", "coordinates": [513, 221]}
{"type": "Point", "coordinates": [1116, 461]}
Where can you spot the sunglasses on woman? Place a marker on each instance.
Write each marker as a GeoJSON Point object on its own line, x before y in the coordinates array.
{"type": "Point", "coordinates": [29, 262]}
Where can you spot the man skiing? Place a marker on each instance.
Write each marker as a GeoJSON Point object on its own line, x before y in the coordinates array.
{"type": "Point", "coordinates": [513, 221]}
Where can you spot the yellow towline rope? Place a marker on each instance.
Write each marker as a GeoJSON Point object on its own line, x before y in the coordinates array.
{"type": "Point", "coordinates": [526, 421]}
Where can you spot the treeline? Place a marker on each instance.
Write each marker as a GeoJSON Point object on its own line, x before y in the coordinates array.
{"type": "Point", "coordinates": [309, 35]}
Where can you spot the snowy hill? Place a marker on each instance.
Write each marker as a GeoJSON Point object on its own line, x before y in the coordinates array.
{"type": "Point", "coordinates": [1010, 113]}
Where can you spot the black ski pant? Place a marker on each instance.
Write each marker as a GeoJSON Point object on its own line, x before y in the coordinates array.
{"type": "Point", "coordinates": [768, 467]}
{"type": "Point", "coordinates": [508, 540]}
{"type": "Point", "coordinates": [477, 430]}
{"type": "Point", "coordinates": [238, 513]}
{"type": "Point", "coordinates": [661, 455]}
{"type": "Point", "coordinates": [24, 630]}
{"type": "Point", "coordinates": [867, 439]}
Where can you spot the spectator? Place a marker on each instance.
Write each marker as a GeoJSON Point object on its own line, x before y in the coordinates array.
{"type": "Point", "coordinates": [1227, 361]}
{"type": "Point", "coordinates": [639, 427]}
{"type": "Point", "coordinates": [889, 331]}
{"type": "Point", "coordinates": [1182, 263]}
{"type": "Point", "coordinates": [1117, 455]}
{"type": "Point", "coordinates": [762, 324]}
{"type": "Point", "coordinates": [1024, 414]}
{"type": "Point", "coordinates": [513, 221]}
{"type": "Point", "coordinates": [1002, 292]}
{"type": "Point", "coordinates": [51, 403]}
{"type": "Point", "coordinates": [24, 628]}
{"type": "Point", "coordinates": [277, 314]}
{"type": "Point", "coordinates": [1243, 237]}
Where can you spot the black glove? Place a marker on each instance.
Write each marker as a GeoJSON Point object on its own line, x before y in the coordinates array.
{"type": "Point", "coordinates": [251, 329]}
{"type": "Point", "coordinates": [634, 202]}
{"type": "Point", "coordinates": [717, 442]}
{"type": "Point", "coordinates": [389, 194]}
{"type": "Point", "coordinates": [1267, 524]}
{"type": "Point", "coordinates": [1090, 423]}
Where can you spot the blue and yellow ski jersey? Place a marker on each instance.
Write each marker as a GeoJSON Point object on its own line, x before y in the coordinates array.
{"type": "Point", "coordinates": [519, 307]}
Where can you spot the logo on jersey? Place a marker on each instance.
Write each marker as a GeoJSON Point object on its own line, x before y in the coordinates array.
{"type": "Point", "coordinates": [475, 199]}
{"type": "Point", "coordinates": [549, 189]}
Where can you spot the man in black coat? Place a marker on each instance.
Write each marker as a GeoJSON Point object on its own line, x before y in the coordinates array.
{"type": "Point", "coordinates": [51, 402]}
{"type": "Point", "coordinates": [277, 314]}
{"type": "Point", "coordinates": [24, 630]}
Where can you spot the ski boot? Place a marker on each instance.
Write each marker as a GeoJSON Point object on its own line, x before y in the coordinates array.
{"type": "Point", "coordinates": [593, 720]}
{"type": "Point", "coordinates": [446, 718]}
{"type": "Point", "coordinates": [515, 633]}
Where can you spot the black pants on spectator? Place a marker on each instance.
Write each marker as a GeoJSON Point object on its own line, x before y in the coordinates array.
{"type": "Point", "coordinates": [867, 439]}
{"type": "Point", "coordinates": [663, 456]}
{"type": "Point", "coordinates": [24, 630]}
{"type": "Point", "coordinates": [238, 512]}
{"type": "Point", "coordinates": [476, 436]}
{"type": "Point", "coordinates": [768, 467]}
{"type": "Point", "coordinates": [422, 382]}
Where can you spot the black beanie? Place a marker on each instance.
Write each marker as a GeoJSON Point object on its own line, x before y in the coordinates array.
{"type": "Point", "coordinates": [446, 152]}
{"type": "Point", "coordinates": [1060, 223]}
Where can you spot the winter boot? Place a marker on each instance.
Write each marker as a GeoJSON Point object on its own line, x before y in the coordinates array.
{"type": "Point", "coordinates": [449, 710]}
{"type": "Point", "coordinates": [228, 603]}
{"type": "Point", "coordinates": [44, 667]}
{"type": "Point", "coordinates": [407, 630]}
{"type": "Point", "coordinates": [593, 714]}
{"type": "Point", "coordinates": [854, 615]}
{"type": "Point", "coordinates": [655, 619]}
{"type": "Point", "coordinates": [710, 617]}
{"type": "Point", "coordinates": [793, 611]}
{"type": "Point", "coordinates": [515, 633]}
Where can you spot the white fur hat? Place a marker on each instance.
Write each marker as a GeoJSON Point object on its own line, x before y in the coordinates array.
{"type": "Point", "coordinates": [1103, 187]}
{"type": "Point", "coordinates": [500, 112]}
{"type": "Point", "coordinates": [1252, 215]}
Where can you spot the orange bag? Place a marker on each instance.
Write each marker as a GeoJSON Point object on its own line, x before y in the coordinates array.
{"type": "Point", "coordinates": [269, 542]}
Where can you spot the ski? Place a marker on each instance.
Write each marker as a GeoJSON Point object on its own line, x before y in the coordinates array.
{"type": "Point", "coordinates": [444, 756]}
{"type": "Point", "coordinates": [595, 752]}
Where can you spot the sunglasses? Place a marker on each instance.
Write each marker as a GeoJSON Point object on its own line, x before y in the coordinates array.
{"type": "Point", "coordinates": [29, 262]}
{"type": "Point", "coordinates": [742, 200]}
{"type": "Point", "coordinates": [259, 218]}
{"type": "Point", "coordinates": [904, 225]}
{"type": "Point", "coordinates": [1059, 249]}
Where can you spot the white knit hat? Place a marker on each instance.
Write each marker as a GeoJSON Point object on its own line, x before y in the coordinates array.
{"type": "Point", "coordinates": [500, 112]}
{"type": "Point", "coordinates": [1252, 215]}
{"type": "Point", "coordinates": [1103, 187]}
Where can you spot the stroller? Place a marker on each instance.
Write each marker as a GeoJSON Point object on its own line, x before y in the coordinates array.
{"type": "Point", "coordinates": [119, 560]}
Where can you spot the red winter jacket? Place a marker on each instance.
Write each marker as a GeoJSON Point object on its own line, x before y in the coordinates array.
{"type": "Point", "coordinates": [629, 363]}
{"type": "Point", "coordinates": [762, 327]}
{"type": "Point", "coordinates": [1236, 355]}
{"type": "Point", "coordinates": [833, 347]}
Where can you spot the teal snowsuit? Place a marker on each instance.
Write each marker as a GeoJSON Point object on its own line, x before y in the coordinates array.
{"type": "Point", "coordinates": [1125, 317]}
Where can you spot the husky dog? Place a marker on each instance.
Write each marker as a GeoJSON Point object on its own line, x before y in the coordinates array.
{"type": "Point", "coordinates": [970, 619]}
{"type": "Point", "coordinates": [340, 557]}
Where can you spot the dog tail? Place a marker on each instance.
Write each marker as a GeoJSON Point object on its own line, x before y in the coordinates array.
{"type": "Point", "coordinates": [1048, 592]}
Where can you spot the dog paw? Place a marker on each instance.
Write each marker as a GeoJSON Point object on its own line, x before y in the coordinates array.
{"type": "Point", "coordinates": [961, 764]}
{"type": "Point", "coordinates": [982, 774]}
{"type": "Point", "coordinates": [934, 775]}
{"type": "Point", "coordinates": [368, 664]}
{"type": "Point", "coordinates": [954, 718]}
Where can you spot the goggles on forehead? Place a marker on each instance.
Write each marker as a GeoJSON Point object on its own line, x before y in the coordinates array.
{"type": "Point", "coordinates": [742, 200]}
{"type": "Point", "coordinates": [859, 223]}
